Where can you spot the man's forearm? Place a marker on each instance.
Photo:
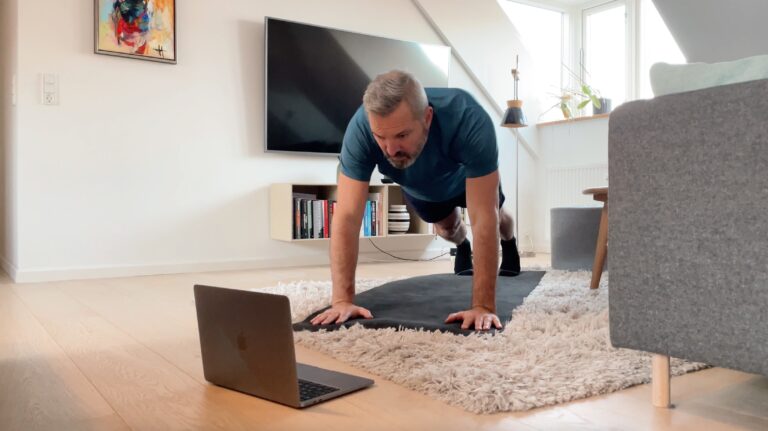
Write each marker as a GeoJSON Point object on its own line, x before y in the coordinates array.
{"type": "Point", "coordinates": [344, 247]}
{"type": "Point", "coordinates": [485, 233]}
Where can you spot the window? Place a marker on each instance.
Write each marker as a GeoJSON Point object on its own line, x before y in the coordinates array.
{"type": "Point", "coordinates": [616, 42]}
{"type": "Point", "coordinates": [656, 45]}
{"type": "Point", "coordinates": [604, 47]}
{"type": "Point", "coordinates": [542, 33]}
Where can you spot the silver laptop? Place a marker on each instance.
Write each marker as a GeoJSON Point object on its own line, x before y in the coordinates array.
{"type": "Point", "coordinates": [246, 341]}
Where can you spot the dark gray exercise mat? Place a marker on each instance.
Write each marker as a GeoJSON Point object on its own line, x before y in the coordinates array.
{"type": "Point", "coordinates": [424, 302]}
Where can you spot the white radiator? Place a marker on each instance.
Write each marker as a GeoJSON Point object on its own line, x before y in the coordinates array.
{"type": "Point", "coordinates": [565, 187]}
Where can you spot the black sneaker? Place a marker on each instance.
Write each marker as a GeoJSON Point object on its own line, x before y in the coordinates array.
{"type": "Point", "coordinates": [510, 258]}
{"type": "Point", "coordinates": [462, 265]}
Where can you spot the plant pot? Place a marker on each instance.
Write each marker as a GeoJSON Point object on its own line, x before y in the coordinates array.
{"type": "Point", "coordinates": [605, 107]}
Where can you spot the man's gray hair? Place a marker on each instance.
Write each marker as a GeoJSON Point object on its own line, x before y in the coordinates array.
{"type": "Point", "coordinates": [387, 90]}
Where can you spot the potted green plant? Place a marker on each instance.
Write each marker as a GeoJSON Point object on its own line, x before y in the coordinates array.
{"type": "Point", "coordinates": [589, 94]}
{"type": "Point", "coordinates": [564, 102]}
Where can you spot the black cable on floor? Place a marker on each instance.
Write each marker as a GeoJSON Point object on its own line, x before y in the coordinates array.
{"type": "Point", "coordinates": [405, 258]}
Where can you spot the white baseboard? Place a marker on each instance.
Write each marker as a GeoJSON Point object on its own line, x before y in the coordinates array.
{"type": "Point", "coordinates": [37, 275]}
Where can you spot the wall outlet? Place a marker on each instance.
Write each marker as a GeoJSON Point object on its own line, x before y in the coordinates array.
{"type": "Point", "coordinates": [50, 89]}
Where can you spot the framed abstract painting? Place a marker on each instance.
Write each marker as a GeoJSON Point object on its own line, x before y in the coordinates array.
{"type": "Point", "coordinates": [143, 29]}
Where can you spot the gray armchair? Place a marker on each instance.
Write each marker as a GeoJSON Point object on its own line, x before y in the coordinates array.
{"type": "Point", "coordinates": [688, 229]}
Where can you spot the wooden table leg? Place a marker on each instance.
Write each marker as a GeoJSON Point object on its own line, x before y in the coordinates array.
{"type": "Point", "coordinates": [601, 250]}
{"type": "Point", "coordinates": [660, 381]}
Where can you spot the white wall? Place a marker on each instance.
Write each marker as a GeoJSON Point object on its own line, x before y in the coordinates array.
{"type": "Point", "coordinates": [8, 51]}
{"type": "Point", "coordinates": [714, 30]}
{"type": "Point", "coordinates": [572, 144]}
{"type": "Point", "coordinates": [151, 168]}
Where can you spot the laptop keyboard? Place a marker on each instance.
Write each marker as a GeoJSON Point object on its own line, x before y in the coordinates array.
{"type": "Point", "coordinates": [309, 390]}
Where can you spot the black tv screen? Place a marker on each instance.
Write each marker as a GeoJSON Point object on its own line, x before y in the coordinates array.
{"type": "Point", "coordinates": [316, 76]}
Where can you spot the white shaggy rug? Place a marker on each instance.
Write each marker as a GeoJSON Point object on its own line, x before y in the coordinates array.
{"type": "Point", "coordinates": [555, 349]}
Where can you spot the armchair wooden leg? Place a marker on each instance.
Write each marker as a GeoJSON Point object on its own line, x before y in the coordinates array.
{"type": "Point", "coordinates": [660, 381]}
{"type": "Point", "coordinates": [601, 250]}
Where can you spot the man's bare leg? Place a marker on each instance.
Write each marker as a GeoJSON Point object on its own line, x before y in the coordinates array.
{"type": "Point", "coordinates": [452, 228]}
{"type": "Point", "coordinates": [506, 224]}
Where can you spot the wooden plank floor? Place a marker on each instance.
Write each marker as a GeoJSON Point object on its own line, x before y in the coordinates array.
{"type": "Point", "coordinates": [120, 354]}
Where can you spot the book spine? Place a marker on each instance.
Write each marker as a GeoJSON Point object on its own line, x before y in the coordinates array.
{"type": "Point", "coordinates": [310, 225]}
{"type": "Point", "coordinates": [367, 219]}
{"type": "Point", "coordinates": [326, 220]}
{"type": "Point", "coordinates": [374, 219]}
{"type": "Point", "coordinates": [317, 219]}
{"type": "Point", "coordinates": [296, 218]}
{"type": "Point", "coordinates": [380, 209]}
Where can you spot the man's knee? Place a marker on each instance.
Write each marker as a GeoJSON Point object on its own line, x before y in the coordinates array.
{"type": "Point", "coordinates": [449, 226]}
{"type": "Point", "coordinates": [504, 216]}
{"type": "Point", "coordinates": [506, 224]}
{"type": "Point", "coordinates": [449, 231]}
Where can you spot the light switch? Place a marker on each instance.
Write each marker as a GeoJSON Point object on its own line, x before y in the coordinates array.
{"type": "Point", "coordinates": [50, 87]}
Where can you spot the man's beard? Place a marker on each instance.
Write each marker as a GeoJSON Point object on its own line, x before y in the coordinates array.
{"type": "Point", "coordinates": [402, 160]}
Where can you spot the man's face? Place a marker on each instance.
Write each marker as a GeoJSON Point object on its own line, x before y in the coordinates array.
{"type": "Point", "coordinates": [401, 135]}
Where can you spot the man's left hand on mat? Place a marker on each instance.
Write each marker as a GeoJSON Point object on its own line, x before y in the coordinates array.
{"type": "Point", "coordinates": [481, 318]}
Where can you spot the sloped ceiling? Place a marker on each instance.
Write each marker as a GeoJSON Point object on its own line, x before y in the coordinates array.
{"type": "Point", "coordinates": [717, 30]}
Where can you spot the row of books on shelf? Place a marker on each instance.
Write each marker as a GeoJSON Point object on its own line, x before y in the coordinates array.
{"type": "Point", "coordinates": [313, 217]}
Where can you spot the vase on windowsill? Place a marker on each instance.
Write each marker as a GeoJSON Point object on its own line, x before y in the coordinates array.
{"type": "Point", "coordinates": [604, 108]}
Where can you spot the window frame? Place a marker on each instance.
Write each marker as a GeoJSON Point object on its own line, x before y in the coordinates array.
{"type": "Point", "coordinates": [573, 33]}
{"type": "Point", "coordinates": [631, 61]}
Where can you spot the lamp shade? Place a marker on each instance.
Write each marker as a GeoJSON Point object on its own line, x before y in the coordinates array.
{"type": "Point", "coordinates": [514, 116]}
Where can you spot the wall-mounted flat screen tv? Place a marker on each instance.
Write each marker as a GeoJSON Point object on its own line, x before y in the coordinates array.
{"type": "Point", "coordinates": [316, 76]}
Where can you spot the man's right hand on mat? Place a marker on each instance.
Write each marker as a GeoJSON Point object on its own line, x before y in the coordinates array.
{"type": "Point", "coordinates": [480, 317]}
{"type": "Point", "coordinates": [340, 312]}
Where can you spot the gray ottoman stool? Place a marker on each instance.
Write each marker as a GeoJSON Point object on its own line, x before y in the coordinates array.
{"type": "Point", "coordinates": [573, 237]}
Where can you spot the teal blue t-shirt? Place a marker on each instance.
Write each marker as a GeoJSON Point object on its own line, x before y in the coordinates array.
{"type": "Point", "coordinates": [461, 144]}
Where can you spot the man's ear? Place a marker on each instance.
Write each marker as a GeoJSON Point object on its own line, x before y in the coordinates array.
{"type": "Point", "coordinates": [428, 116]}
